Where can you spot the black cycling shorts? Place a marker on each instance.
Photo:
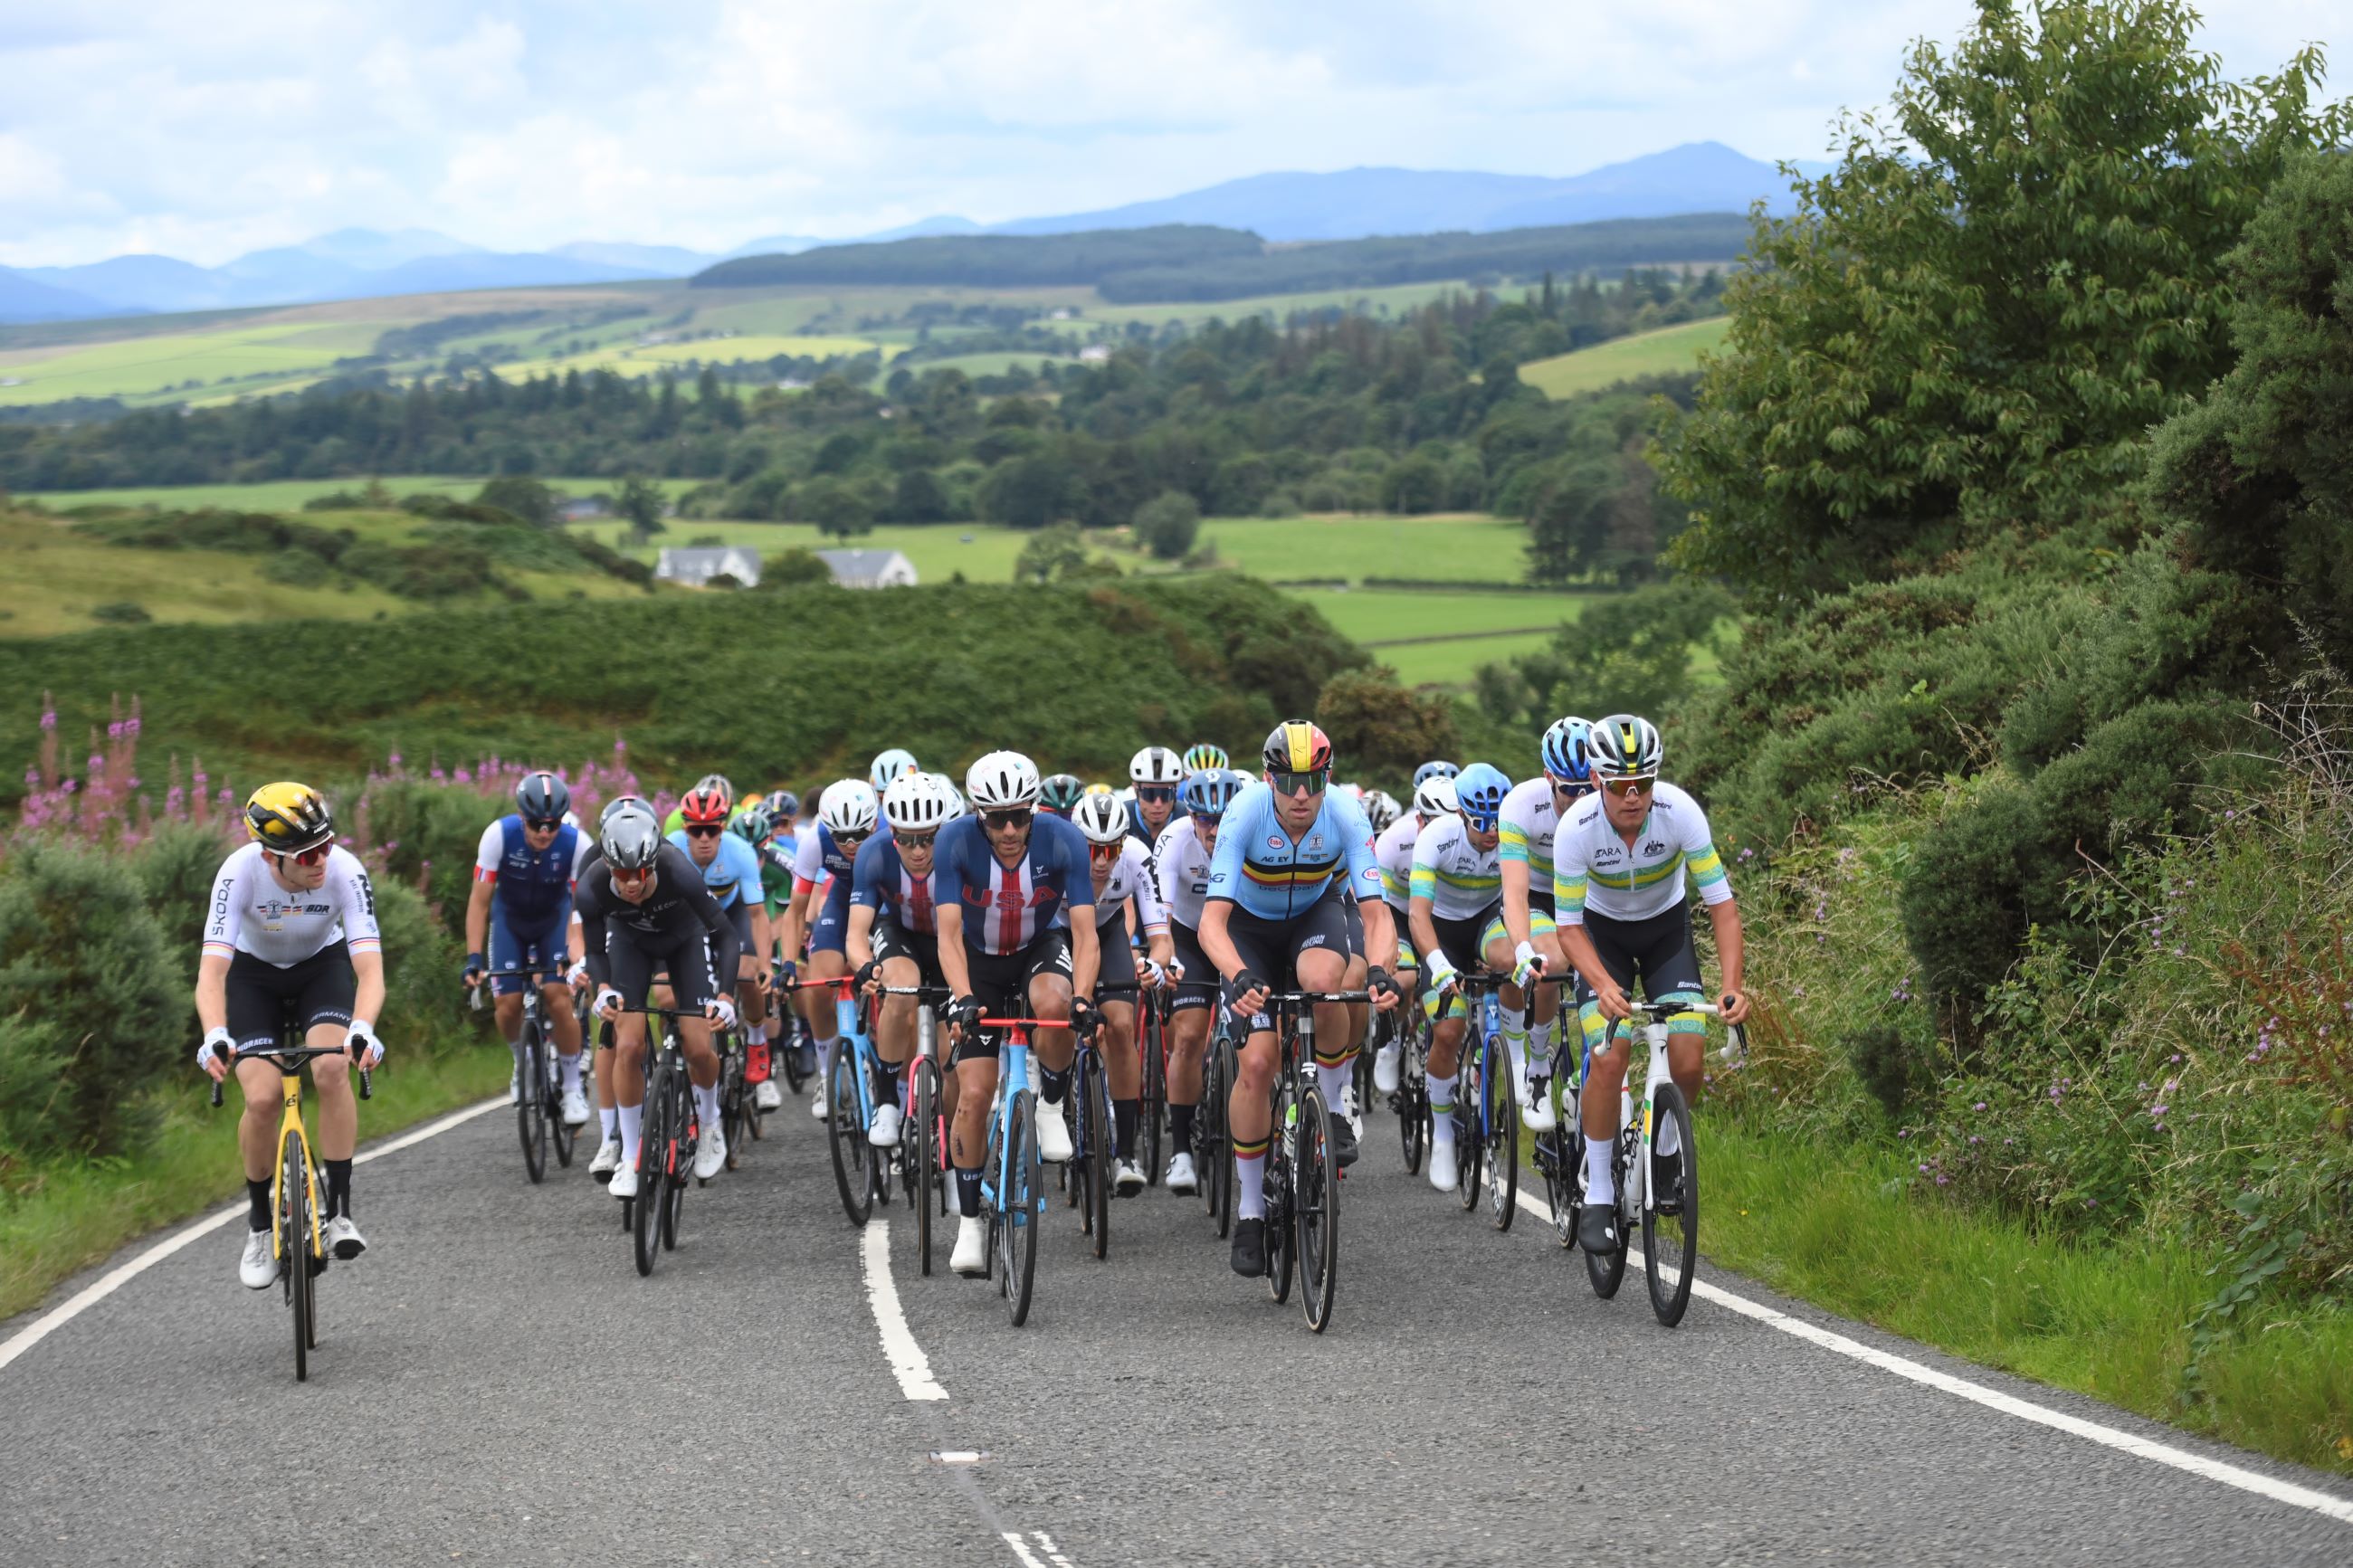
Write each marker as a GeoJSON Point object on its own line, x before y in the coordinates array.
{"type": "Point", "coordinates": [1115, 964]}
{"type": "Point", "coordinates": [1199, 986]}
{"type": "Point", "coordinates": [686, 969]}
{"type": "Point", "coordinates": [1001, 982]}
{"type": "Point", "coordinates": [1270, 949]}
{"type": "Point", "coordinates": [319, 990]}
{"type": "Point", "coordinates": [1459, 940]}
{"type": "Point", "coordinates": [1657, 952]}
{"type": "Point", "coordinates": [891, 939]}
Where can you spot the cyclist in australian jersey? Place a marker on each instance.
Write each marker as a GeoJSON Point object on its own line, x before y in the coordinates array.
{"type": "Point", "coordinates": [1003, 875]}
{"type": "Point", "coordinates": [1120, 872]}
{"type": "Point", "coordinates": [1180, 867]}
{"type": "Point", "coordinates": [643, 908]}
{"type": "Point", "coordinates": [824, 869]}
{"type": "Point", "coordinates": [1620, 865]}
{"type": "Point", "coordinates": [1531, 818]}
{"type": "Point", "coordinates": [894, 936]}
{"type": "Point", "coordinates": [731, 869]}
{"type": "Point", "coordinates": [1433, 799]}
{"type": "Point", "coordinates": [292, 927]}
{"type": "Point", "coordinates": [1286, 846]}
{"type": "Point", "coordinates": [523, 873]}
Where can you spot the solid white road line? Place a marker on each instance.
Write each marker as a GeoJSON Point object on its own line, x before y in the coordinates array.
{"type": "Point", "coordinates": [114, 1279]}
{"type": "Point", "coordinates": [1021, 1550]}
{"type": "Point", "coordinates": [1029, 1551]}
{"type": "Point", "coordinates": [2245, 1480]}
{"type": "Point", "coordinates": [908, 1363]}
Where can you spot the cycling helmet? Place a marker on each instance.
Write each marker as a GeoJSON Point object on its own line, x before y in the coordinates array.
{"type": "Point", "coordinates": [783, 807]}
{"type": "Point", "coordinates": [753, 825]}
{"type": "Point", "coordinates": [848, 808]}
{"type": "Point", "coordinates": [1156, 765]}
{"type": "Point", "coordinates": [1625, 747]}
{"type": "Point", "coordinates": [1296, 746]}
{"type": "Point", "coordinates": [1479, 792]}
{"type": "Point", "coordinates": [1209, 791]}
{"type": "Point", "coordinates": [703, 807]}
{"type": "Point", "coordinates": [1202, 755]}
{"type": "Point", "coordinates": [1002, 781]}
{"type": "Point", "coordinates": [542, 797]}
{"type": "Point", "coordinates": [717, 782]}
{"type": "Point", "coordinates": [1435, 770]}
{"type": "Point", "coordinates": [1101, 818]}
{"type": "Point", "coordinates": [604, 817]}
{"type": "Point", "coordinates": [1565, 749]}
{"type": "Point", "coordinates": [956, 806]}
{"type": "Point", "coordinates": [917, 803]}
{"type": "Point", "coordinates": [1435, 798]}
{"type": "Point", "coordinates": [1061, 792]}
{"type": "Point", "coordinates": [888, 765]}
{"type": "Point", "coordinates": [633, 839]}
{"type": "Point", "coordinates": [288, 818]}
{"type": "Point", "coordinates": [1381, 809]}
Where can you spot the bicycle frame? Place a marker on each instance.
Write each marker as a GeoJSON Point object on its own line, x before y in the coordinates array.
{"type": "Point", "coordinates": [1655, 1030]}
{"type": "Point", "coordinates": [1012, 1079]}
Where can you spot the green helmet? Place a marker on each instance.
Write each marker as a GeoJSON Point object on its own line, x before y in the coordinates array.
{"type": "Point", "coordinates": [1059, 792]}
{"type": "Point", "coordinates": [1201, 756]}
{"type": "Point", "coordinates": [753, 824]}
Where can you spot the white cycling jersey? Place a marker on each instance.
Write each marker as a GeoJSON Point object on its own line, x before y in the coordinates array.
{"type": "Point", "coordinates": [1529, 818]}
{"type": "Point", "coordinates": [1180, 868]}
{"type": "Point", "coordinates": [1131, 877]}
{"type": "Point", "coordinates": [1594, 869]}
{"type": "Point", "coordinates": [1394, 850]}
{"type": "Point", "coordinates": [1459, 878]}
{"type": "Point", "coordinates": [250, 913]}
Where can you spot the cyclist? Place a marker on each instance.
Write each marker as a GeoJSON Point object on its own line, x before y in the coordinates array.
{"type": "Point", "coordinates": [1432, 799]}
{"type": "Point", "coordinates": [1180, 864]}
{"type": "Point", "coordinates": [1202, 757]}
{"type": "Point", "coordinates": [731, 869]}
{"type": "Point", "coordinates": [1274, 911]}
{"type": "Point", "coordinates": [608, 1105]}
{"type": "Point", "coordinates": [1059, 793]}
{"type": "Point", "coordinates": [1531, 815]}
{"type": "Point", "coordinates": [718, 781]}
{"type": "Point", "coordinates": [291, 923]}
{"type": "Point", "coordinates": [1154, 775]}
{"type": "Point", "coordinates": [888, 765]}
{"type": "Point", "coordinates": [645, 908]}
{"type": "Point", "coordinates": [1003, 875]}
{"type": "Point", "coordinates": [1620, 863]}
{"type": "Point", "coordinates": [755, 824]}
{"type": "Point", "coordinates": [819, 914]}
{"type": "Point", "coordinates": [892, 937]}
{"type": "Point", "coordinates": [1122, 871]}
{"type": "Point", "coordinates": [525, 870]}
{"type": "Point", "coordinates": [1457, 922]}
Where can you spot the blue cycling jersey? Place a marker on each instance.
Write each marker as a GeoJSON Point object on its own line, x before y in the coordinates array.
{"type": "Point", "coordinates": [1260, 866]}
{"type": "Point", "coordinates": [1005, 906]}
{"type": "Point", "coordinates": [883, 883]}
{"type": "Point", "coordinates": [529, 886]}
{"type": "Point", "coordinates": [734, 873]}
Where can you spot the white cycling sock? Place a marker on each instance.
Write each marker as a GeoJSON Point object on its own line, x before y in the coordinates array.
{"type": "Point", "coordinates": [515, 1047]}
{"type": "Point", "coordinates": [1600, 1182]}
{"type": "Point", "coordinates": [609, 1116]}
{"type": "Point", "coordinates": [1334, 1083]}
{"type": "Point", "coordinates": [706, 1105]}
{"type": "Point", "coordinates": [1516, 1035]}
{"type": "Point", "coordinates": [1249, 1191]}
{"type": "Point", "coordinates": [1441, 1109]}
{"type": "Point", "coordinates": [570, 1066]}
{"type": "Point", "coordinates": [1540, 1048]}
{"type": "Point", "coordinates": [632, 1118]}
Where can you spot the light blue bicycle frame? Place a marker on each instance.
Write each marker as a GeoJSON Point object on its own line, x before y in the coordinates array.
{"type": "Point", "coordinates": [1012, 1079]}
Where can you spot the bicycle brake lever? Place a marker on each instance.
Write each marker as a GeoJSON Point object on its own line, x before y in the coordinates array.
{"type": "Point", "coordinates": [216, 1091]}
{"type": "Point", "coordinates": [368, 1086]}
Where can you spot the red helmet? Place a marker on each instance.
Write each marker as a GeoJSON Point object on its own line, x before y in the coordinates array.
{"type": "Point", "coordinates": [702, 806]}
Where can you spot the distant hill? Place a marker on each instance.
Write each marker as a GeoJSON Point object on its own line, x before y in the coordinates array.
{"type": "Point", "coordinates": [26, 298]}
{"type": "Point", "coordinates": [991, 260]}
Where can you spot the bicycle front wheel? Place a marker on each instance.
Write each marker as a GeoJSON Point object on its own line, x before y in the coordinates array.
{"type": "Point", "coordinates": [1501, 1155]}
{"type": "Point", "coordinates": [922, 1166]}
{"type": "Point", "coordinates": [1469, 1141]}
{"type": "Point", "coordinates": [1282, 1254]}
{"type": "Point", "coordinates": [644, 1225]}
{"type": "Point", "coordinates": [1671, 1213]}
{"type": "Point", "coordinates": [846, 1134]}
{"type": "Point", "coordinates": [1413, 1118]}
{"type": "Point", "coordinates": [1209, 1142]}
{"type": "Point", "coordinates": [560, 1131]}
{"type": "Point", "coordinates": [1025, 1206]}
{"type": "Point", "coordinates": [1316, 1212]}
{"type": "Point", "coordinates": [1094, 1127]}
{"type": "Point", "coordinates": [1154, 1107]}
{"type": "Point", "coordinates": [301, 1280]}
{"type": "Point", "coordinates": [531, 1104]}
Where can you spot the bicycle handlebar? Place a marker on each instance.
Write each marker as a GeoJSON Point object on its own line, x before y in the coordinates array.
{"type": "Point", "coordinates": [290, 1062]}
{"type": "Point", "coordinates": [1275, 998]}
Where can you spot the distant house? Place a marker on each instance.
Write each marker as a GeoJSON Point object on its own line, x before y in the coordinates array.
{"type": "Point", "coordinates": [868, 568]}
{"type": "Point", "coordinates": [1094, 353]}
{"type": "Point", "coordinates": [696, 567]}
{"type": "Point", "coordinates": [585, 508]}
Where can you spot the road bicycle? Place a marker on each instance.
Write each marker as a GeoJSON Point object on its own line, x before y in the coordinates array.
{"type": "Point", "coordinates": [860, 1174]}
{"type": "Point", "coordinates": [1410, 1099]}
{"type": "Point", "coordinates": [1558, 1153]}
{"type": "Point", "coordinates": [1087, 1173]}
{"type": "Point", "coordinates": [294, 1207]}
{"type": "Point", "coordinates": [667, 1136]}
{"type": "Point", "coordinates": [1152, 1108]}
{"type": "Point", "coordinates": [1486, 1106]}
{"type": "Point", "coordinates": [1303, 1169]}
{"type": "Point", "coordinates": [539, 1086]}
{"type": "Point", "coordinates": [924, 1136]}
{"type": "Point", "coordinates": [1013, 1180]}
{"type": "Point", "coordinates": [1212, 1149]}
{"type": "Point", "coordinates": [795, 1049]}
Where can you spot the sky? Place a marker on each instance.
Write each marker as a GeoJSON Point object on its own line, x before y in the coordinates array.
{"type": "Point", "coordinates": [206, 130]}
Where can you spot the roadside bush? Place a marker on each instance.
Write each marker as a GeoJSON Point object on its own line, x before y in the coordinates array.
{"type": "Point", "coordinates": [1168, 524]}
{"type": "Point", "coordinates": [792, 569]}
{"type": "Point", "coordinates": [295, 568]}
{"type": "Point", "coordinates": [122, 613]}
{"type": "Point", "coordinates": [1376, 726]}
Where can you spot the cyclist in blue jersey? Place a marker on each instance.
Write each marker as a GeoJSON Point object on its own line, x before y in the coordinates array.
{"type": "Point", "coordinates": [894, 937]}
{"type": "Point", "coordinates": [731, 869]}
{"type": "Point", "coordinates": [1153, 773]}
{"type": "Point", "coordinates": [823, 867]}
{"type": "Point", "coordinates": [1003, 875]}
{"type": "Point", "coordinates": [520, 912]}
{"type": "Point", "coordinates": [1286, 847]}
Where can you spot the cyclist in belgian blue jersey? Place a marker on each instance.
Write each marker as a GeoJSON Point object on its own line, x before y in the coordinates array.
{"type": "Point", "coordinates": [520, 912]}
{"type": "Point", "coordinates": [1284, 850]}
{"type": "Point", "coordinates": [1003, 875]}
{"type": "Point", "coordinates": [894, 937]}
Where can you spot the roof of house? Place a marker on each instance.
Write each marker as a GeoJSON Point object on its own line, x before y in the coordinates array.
{"type": "Point", "coordinates": [861, 563]}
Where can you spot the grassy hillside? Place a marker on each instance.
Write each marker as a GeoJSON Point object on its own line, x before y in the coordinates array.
{"type": "Point", "coordinates": [1671, 351]}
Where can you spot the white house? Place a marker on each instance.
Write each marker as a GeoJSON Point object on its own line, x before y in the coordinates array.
{"type": "Point", "coordinates": [696, 567]}
{"type": "Point", "coordinates": [869, 568]}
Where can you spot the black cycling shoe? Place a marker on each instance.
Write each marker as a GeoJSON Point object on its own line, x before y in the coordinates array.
{"type": "Point", "coordinates": [1250, 1248]}
{"type": "Point", "coordinates": [1597, 1228]}
{"type": "Point", "coordinates": [1668, 1171]}
{"type": "Point", "coordinates": [1344, 1141]}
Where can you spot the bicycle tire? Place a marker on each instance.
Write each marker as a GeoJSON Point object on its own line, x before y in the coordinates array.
{"type": "Point", "coordinates": [734, 1099]}
{"type": "Point", "coordinates": [531, 1106]}
{"type": "Point", "coordinates": [1559, 1155]}
{"type": "Point", "coordinates": [1670, 1234]}
{"type": "Point", "coordinates": [1606, 1271]}
{"type": "Point", "coordinates": [1413, 1117]}
{"type": "Point", "coordinates": [1501, 1155]}
{"type": "Point", "coordinates": [1096, 1128]}
{"type": "Point", "coordinates": [301, 1283]}
{"type": "Point", "coordinates": [846, 1138]}
{"type": "Point", "coordinates": [1315, 1214]}
{"type": "Point", "coordinates": [924, 1174]}
{"type": "Point", "coordinates": [1216, 1101]}
{"type": "Point", "coordinates": [786, 1053]}
{"type": "Point", "coordinates": [1025, 1210]}
{"type": "Point", "coordinates": [1154, 1110]}
{"type": "Point", "coordinates": [1281, 1256]}
{"type": "Point", "coordinates": [645, 1228]}
{"type": "Point", "coordinates": [679, 1159]}
{"type": "Point", "coordinates": [1469, 1143]}
{"type": "Point", "coordinates": [562, 1133]}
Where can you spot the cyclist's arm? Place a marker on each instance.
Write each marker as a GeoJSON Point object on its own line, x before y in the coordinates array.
{"type": "Point", "coordinates": [949, 917]}
{"type": "Point", "coordinates": [1730, 956]}
{"type": "Point", "coordinates": [858, 943]}
{"type": "Point", "coordinates": [478, 914]}
{"type": "Point", "coordinates": [212, 991]}
{"type": "Point", "coordinates": [1418, 919]}
{"type": "Point", "coordinates": [1577, 944]}
{"type": "Point", "coordinates": [367, 969]}
{"type": "Point", "coordinates": [1515, 898]}
{"type": "Point", "coordinates": [1381, 933]}
{"type": "Point", "coordinates": [1217, 946]}
{"type": "Point", "coordinates": [1086, 953]}
{"type": "Point", "coordinates": [761, 932]}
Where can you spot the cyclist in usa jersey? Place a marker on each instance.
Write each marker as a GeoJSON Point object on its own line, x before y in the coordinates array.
{"type": "Point", "coordinates": [894, 937]}
{"type": "Point", "coordinates": [520, 912]}
{"type": "Point", "coordinates": [823, 870]}
{"type": "Point", "coordinates": [1273, 917]}
{"type": "Point", "coordinates": [1180, 864]}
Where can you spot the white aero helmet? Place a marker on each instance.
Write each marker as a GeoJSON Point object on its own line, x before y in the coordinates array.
{"type": "Point", "coordinates": [1623, 747]}
{"type": "Point", "coordinates": [956, 806]}
{"type": "Point", "coordinates": [888, 765]}
{"type": "Point", "coordinates": [1002, 780]}
{"type": "Point", "coordinates": [1381, 809]}
{"type": "Point", "coordinates": [1102, 818]}
{"type": "Point", "coordinates": [1435, 798]}
{"type": "Point", "coordinates": [1156, 765]}
{"type": "Point", "coordinates": [848, 807]}
{"type": "Point", "coordinates": [918, 802]}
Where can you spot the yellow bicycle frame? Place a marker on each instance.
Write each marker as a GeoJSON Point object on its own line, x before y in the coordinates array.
{"type": "Point", "coordinates": [290, 1126]}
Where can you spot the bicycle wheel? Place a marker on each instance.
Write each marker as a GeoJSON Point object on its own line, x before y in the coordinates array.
{"type": "Point", "coordinates": [1558, 1155]}
{"type": "Point", "coordinates": [1281, 1255]}
{"type": "Point", "coordinates": [1025, 1209]}
{"type": "Point", "coordinates": [921, 1141]}
{"type": "Point", "coordinates": [1501, 1155]}
{"type": "Point", "coordinates": [1670, 1219]}
{"type": "Point", "coordinates": [1413, 1115]}
{"type": "Point", "coordinates": [645, 1227]}
{"type": "Point", "coordinates": [1469, 1142]}
{"type": "Point", "coordinates": [1213, 1150]}
{"type": "Point", "coordinates": [734, 1100]}
{"type": "Point", "coordinates": [679, 1159]}
{"type": "Point", "coordinates": [1315, 1214]}
{"type": "Point", "coordinates": [786, 1053]}
{"type": "Point", "coordinates": [294, 1208]}
{"type": "Point", "coordinates": [846, 1135]}
{"type": "Point", "coordinates": [531, 1104]}
{"type": "Point", "coordinates": [561, 1131]}
{"type": "Point", "coordinates": [1606, 1270]}
{"type": "Point", "coordinates": [1094, 1127]}
{"type": "Point", "coordinates": [1153, 1108]}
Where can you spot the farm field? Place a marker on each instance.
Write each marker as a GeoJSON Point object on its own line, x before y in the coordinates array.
{"type": "Point", "coordinates": [255, 356]}
{"type": "Point", "coordinates": [628, 358]}
{"type": "Point", "coordinates": [1453, 546]}
{"type": "Point", "coordinates": [1377, 616]}
{"type": "Point", "coordinates": [288, 495]}
{"type": "Point", "coordinates": [1665, 352]}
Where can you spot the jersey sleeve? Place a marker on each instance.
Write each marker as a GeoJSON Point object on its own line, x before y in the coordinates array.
{"type": "Point", "coordinates": [1148, 906]}
{"type": "Point", "coordinates": [226, 912]}
{"type": "Point", "coordinates": [808, 862]}
{"type": "Point", "coordinates": [1226, 864]}
{"type": "Point", "coordinates": [1364, 863]}
{"type": "Point", "coordinates": [745, 861]}
{"type": "Point", "coordinates": [1569, 878]}
{"type": "Point", "coordinates": [1162, 863]}
{"type": "Point", "coordinates": [1423, 880]}
{"type": "Point", "coordinates": [1701, 861]}
{"type": "Point", "coordinates": [867, 872]}
{"type": "Point", "coordinates": [491, 851]}
{"type": "Point", "coordinates": [357, 895]}
{"type": "Point", "coordinates": [1512, 840]}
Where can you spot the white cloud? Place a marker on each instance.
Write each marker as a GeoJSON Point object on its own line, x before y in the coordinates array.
{"type": "Point", "coordinates": [207, 131]}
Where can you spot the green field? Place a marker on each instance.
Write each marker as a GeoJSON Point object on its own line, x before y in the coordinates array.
{"type": "Point", "coordinates": [255, 356]}
{"type": "Point", "coordinates": [628, 358]}
{"type": "Point", "coordinates": [288, 495]}
{"type": "Point", "coordinates": [1666, 351]}
{"type": "Point", "coordinates": [1456, 547]}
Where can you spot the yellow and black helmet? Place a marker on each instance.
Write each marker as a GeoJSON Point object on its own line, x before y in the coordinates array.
{"type": "Point", "coordinates": [1296, 746]}
{"type": "Point", "coordinates": [288, 818]}
{"type": "Point", "coordinates": [1624, 746]}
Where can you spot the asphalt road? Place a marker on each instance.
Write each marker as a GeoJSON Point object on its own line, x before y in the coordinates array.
{"type": "Point", "coordinates": [495, 1384]}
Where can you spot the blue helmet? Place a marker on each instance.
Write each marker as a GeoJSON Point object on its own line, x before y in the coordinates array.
{"type": "Point", "coordinates": [1565, 747]}
{"type": "Point", "coordinates": [888, 765]}
{"type": "Point", "coordinates": [1480, 790]}
{"type": "Point", "coordinates": [1206, 792]}
{"type": "Point", "coordinates": [542, 797]}
{"type": "Point", "coordinates": [1429, 771]}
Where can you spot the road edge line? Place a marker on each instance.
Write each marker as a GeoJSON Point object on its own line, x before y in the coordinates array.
{"type": "Point", "coordinates": [908, 1363]}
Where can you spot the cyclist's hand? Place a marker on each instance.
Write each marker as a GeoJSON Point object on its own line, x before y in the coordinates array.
{"type": "Point", "coordinates": [1387, 993]}
{"type": "Point", "coordinates": [1527, 965]}
{"type": "Point", "coordinates": [870, 976]}
{"type": "Point", "coordinates": [1085, 1016]}
{"type": "Point", "coordinates": [964, 1015]}
{"type": "Point", "coordinates": [361, 1044]}
{"type": "Point", "coordinates": [214, 1055]}
{"type": "Point", "coordinates": [720, 1012]}
{"type": "Point", "coordinates": [1250, 992]}
{"type": "Point", "coordinates": [577, 975]}
{"type": "Point", "coordinates": [475, 968]}
{"type": "Point", "coordinates": [609, 1004]}
{"type": "Point", "coordinates": [1441, 974]}
{"type": "Point", "coordinates": [787, 971]}
{"type": "Point", "coordinates": [1610, 997]}
{"type": "Point", "coordinates": [1734, 1004]}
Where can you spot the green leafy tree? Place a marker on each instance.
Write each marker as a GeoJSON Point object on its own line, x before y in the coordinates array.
{"type": "Point", "coordinates": [1969, 324]}
{"type": "Point", "coordinates": [639, 499]}
{"type": "Point", "coordinates": [1054, 553]}
{"type": "Point", "coordinates": [792, 569]}
{"type": "Point", "coordinates": [1379, 726]}
{"type": "Point", "coordinates": [1168, 523]}
{"type": "Point", "coordinates": [837, 509]}
{"type": "Point", "coordinates": [1627, 654]}
{"type": "Point", "coordinates": [525, 498]}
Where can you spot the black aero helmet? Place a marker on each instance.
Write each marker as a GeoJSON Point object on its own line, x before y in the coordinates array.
{"type": "Point", "coordinates": [542, 797]}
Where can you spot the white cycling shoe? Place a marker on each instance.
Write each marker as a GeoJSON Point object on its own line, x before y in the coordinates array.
{"type": "Point", "coordinates": [710, 1154]}
{"type": "Point", "coordinates": [767, 1096]}
{"type": "Point", "coordinates": [971, 1255]}
{"type": "Point", "coordinates": [624, 1183]}
{"type": "Point", "coordinates": [257, 1269]}
{"type": "Point", "coordinates": [1442, 1172]}
{"type": "Point", "coordinates": [1386, 1062]}
{"type": "Point", "coordinates": [1180, 1177]}
{"type": "Point", "coordinates": [816, 1100]}
{"type": "Point", "coordinates": [341, 1237]}
{"type": "Point", "coordinates": [884, 1132]}
{"type": "Point", "coordinates": [1536, 1105]}
{"type": "Point", "coordinates": [1053, 1134]}
{"type": "Point", "coordinates": [607, 1160]}
{"type": "Point", "coordinates": [1127, 1179]}
{"type": "Point", "coordinates": [515, 1087]}
{"type": "Point", "coordinates": [575, 1110]}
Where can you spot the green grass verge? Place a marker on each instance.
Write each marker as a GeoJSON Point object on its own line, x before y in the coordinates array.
{"type": "Point", "coordinates": [57, 1220]}
{"type": "Point", "coordinates": [1667, 351]}
{"type": "Point", "coordinates": [1843, 1229]}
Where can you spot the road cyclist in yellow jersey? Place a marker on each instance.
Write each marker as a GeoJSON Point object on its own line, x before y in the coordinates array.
{"type": "Point", "coordinates": [1531, 818]}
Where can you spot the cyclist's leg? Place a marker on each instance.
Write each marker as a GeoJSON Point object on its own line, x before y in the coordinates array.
{"type": "Point", "coordinates": [972, 1061]}
{"type": "Point", "coordinates": [1189, 1011]}
{"type": "Point", "coordinates": [1608, 1051]}
{"type": "Point", "coordinates": [1046, 965]}
{"type": "Point", "coordinates": [1543, 1015]}
{"type": "Point", "coordinates": [1497, 952]}
{"type": "Point", "coordinates": [1249, 1105]}
{"type": "Point", "coordinates": [256, 994]}
{"type": "Point", "coordinates": [691, 978]}
{"type": "Point", "coordinates": [1669, 965]}
{"type": "Point", "coordinates": [1320, 957]}
{"type": "Point", "coordinates": [1359, 970]}
{"type": "Point", "coordinates": [1116, 1044]}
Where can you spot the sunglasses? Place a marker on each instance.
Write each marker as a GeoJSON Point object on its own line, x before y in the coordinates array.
{"type": "Point", "coordinates": [997, 821]}
{"type": "Point", "coordinates": [543, 825]}
{"type": "Point", "coordinates": [703, 830]}
{"type": "Point", "coordinates": [1624, 788]}
{"type": "Point", "coordinates": [1287, 781]}
{"type": "Point", "coordinates": [1103, 851]}
{"type": "Point", "coordinates": [310, 856]}
{"type": "Point", "coordinates": [914, 840]}
{"type": "Point", "coordinates": [1575, 789]}
{"type": "Point", "coordinates": [1480, 824]}
{"type": "Point", "coordinates": [1158, 794]}
{"type": "Point", "coordinates": [632, 875]}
